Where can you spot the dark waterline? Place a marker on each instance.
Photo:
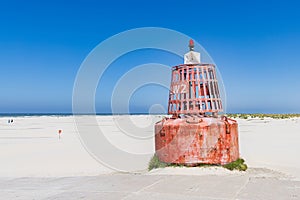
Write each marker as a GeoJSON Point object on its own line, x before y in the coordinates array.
{"type": "Point", "coordinates": [69, 114]}
{"type": "Point", "coordinates": [102, 114]}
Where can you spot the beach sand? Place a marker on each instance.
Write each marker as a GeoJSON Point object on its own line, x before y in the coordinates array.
{"type": "Point", "coordinates": [36, 164]}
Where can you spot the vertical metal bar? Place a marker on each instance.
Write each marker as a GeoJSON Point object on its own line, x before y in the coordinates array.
{"type": "Point", "coordinates": [187, 97]}
{"type": "Point", "coordinates": [216, 84]}
{"type": "Point", "coordinates": [209, 87]}
{"type": "Point", "coordinates": [220, 107]}
{"type": "Point", "coordinates": [170, 92]}
{"type": "Point", "coordinates": [181, 96]}
{"type": "Point", "coordinates": [199, 89]}
{"type": "Point", "coordinates": [204, 88]}
{"type": "Point", "coordinates": [214, 88]}
{"type": "Point", "coordinates": [194, 89]}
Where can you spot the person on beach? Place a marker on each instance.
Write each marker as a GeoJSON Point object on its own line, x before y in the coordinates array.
{"type": "Point", "coordinates": [59, 132]}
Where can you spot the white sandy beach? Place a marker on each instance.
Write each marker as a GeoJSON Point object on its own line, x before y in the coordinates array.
{"type": "Point", "coordinates": [30, 147]}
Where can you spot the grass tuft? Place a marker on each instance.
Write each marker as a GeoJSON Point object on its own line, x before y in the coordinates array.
{"type": "Point", "coordinates": [156, 163]}
{"type": "Point", "coordinates": [262, 116]}
{"type": "Point", "coordinates": [239, 164]}
{"type": "Point", "coordinates": [236, 165]}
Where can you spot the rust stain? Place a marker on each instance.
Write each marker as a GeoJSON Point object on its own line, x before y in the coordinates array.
{"type": "Point", "coordinates": [203, 142]}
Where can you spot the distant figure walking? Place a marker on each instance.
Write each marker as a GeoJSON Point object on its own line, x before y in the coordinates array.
{"type": "Point", "coordinates": [59, 132]}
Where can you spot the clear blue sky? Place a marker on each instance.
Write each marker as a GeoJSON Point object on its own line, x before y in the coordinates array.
{"type": "Point", "coordinates": [256, 45]}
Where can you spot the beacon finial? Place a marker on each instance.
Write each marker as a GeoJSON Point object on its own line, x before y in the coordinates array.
{"type": "Point", "coordinates": [191, 45]}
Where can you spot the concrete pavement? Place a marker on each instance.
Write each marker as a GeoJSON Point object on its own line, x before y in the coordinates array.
{"type": "Point", "coordinates": [253, 185]}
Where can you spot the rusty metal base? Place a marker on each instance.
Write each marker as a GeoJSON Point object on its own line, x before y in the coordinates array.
{"type": "Point", "coordinates": [194, 140]}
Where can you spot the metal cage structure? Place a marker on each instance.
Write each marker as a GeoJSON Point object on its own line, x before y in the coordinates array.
{"type": "Point", "coordinates": [194, 90]}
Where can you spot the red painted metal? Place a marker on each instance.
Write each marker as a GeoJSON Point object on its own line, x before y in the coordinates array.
{"type": "Point", "coordinates": [195, 134]}
{"type": "Point", "coordinates": [191, 44]}
{"type": "Point", "coordinates": [194, 89]}
{"type": "Point", "coordinates": [193, 140]}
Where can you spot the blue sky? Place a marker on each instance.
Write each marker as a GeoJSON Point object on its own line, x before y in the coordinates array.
{"type": "Point", "coordinates": [255, 44]}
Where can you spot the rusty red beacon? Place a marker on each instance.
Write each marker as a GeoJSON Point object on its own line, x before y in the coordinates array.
{"type": "Point", "coordinates": [196, 133]}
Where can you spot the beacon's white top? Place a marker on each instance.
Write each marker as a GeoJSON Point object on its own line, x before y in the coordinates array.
{"type": "Point", "coordinates": [192, 57]}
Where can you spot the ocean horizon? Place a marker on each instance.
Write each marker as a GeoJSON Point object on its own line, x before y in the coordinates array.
{"type": "Point", "coordinates": [108, 114]}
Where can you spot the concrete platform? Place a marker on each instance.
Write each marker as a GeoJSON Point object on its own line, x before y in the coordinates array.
{"type": "Point", "coordinates": [255, 184]}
